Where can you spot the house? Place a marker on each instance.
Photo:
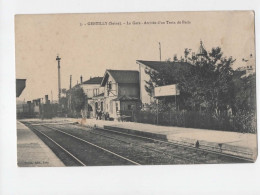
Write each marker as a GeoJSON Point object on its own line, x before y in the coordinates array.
{"type": "Point", "coordinates": [91, 89]}
{"type": "Point", "coordinates": [121, 92]}
{"type": "Point", "coordinates": [145, 66]}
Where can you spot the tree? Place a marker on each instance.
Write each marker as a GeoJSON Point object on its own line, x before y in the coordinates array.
{"type": "Point", "coordinates": [175, 58]}
{"type": "Point", "coordinates": [244, 92]}
{"type": "Point", "coordinates": [77, 98]}
{"type": "Point", "coordinates": [63, 91]}
{"type": "Point", "coordinates": [186, 53]}
{"type": "Point", "coordinates": [209, 83]}
{"type": "Point", "coordinates": [205, 84]}
{"type": "Point", "coordinates": [166, 74]}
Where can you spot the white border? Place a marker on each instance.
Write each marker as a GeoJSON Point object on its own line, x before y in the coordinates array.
{"type": "Point", "coordinates": [195, 179]}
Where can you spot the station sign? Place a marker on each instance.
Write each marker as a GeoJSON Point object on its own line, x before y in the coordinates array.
{"type": "Point", "coordinates": [166, 90]}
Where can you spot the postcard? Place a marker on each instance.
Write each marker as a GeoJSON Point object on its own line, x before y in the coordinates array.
{"type": "Point", "coordinates": [158, 88]}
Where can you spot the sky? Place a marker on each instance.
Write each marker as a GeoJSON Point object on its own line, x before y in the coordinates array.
{"type": "Point", "coordinates": [88, 48]}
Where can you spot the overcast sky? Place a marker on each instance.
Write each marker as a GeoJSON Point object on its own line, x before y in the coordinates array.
{"type": "Point", "coordinates": [89, 50]}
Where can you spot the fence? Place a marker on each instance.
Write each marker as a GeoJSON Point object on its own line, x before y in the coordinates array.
{"type": "Point", "coordinates": [242, 122]}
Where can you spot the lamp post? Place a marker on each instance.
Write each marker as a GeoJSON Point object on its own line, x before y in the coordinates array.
{"type": "Point", "coordinates": [59, 85]}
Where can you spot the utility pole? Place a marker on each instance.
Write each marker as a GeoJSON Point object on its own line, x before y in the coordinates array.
{"type": "Point", "coordinates": [70, 81]}
{"type": "Point", "coordinates": [157, 111]}
{"type": "Point", "coordinates": [51, 97]}
{"type": "Point", "coordinates": [160, 51]}
{"type": "Point", "coordinates": [59, 86]}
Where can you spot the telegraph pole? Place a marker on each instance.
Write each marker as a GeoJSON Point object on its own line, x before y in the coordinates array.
{"type": "Point", "coordinates": [59, 86]}
{"type": "Point", "coordinates": [160, 51]}
{"type": "Point", "coordinates": [51, 97]}
{"type": "Point", "coordinates": [70, 81]}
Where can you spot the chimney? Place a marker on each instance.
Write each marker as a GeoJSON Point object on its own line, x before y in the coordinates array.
{"type": "Point", "coordinates": [70, 80]}
{"type": "Point", "coordinates": [46, 98]}
{"type": "Point", "coordinates": [81, 79]}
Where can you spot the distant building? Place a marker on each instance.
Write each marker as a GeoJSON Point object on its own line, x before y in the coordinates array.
{"type": "Point", "coordinates": [93, 92]}
{"type": "Point", "coordinates": [201, 52]}
{"type": "Point", "coordinates": [247, 66]}
{"type": "Point", "coordinates": [91, 89]}
{"type": "Point", "coordinates": [121, 92]}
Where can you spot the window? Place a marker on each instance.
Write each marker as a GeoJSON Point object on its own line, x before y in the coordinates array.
{"type": "Point", "coordinates": [101, 106]}
{"type": "Point", "coordinates": [130, 107]}
{"type": "Point", "coordinates": [116, 106]}
{"type": "Point", "coordinates": [109, 85]}
{"type": "Point", "coordinates": [95, 92]}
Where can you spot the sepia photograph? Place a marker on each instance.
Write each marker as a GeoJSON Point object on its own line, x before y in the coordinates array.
{"type": "Point", "coordinates": [143, 88]}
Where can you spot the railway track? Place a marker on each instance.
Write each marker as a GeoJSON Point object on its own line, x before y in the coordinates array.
{"type": "Point", "coordinates": [133, 149]}
{"type": "Point", "coordinates": [141, 155]}
{"type": "Point", "coordinates": [195, 155]}
{"type": "Point", "coordinates": [133, 146]}
{"type": "Point", "coordinates": [60, 146]}
{"type": "Point", "coordinates": [163, 152]}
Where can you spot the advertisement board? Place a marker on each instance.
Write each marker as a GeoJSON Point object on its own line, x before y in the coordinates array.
{"type": "Point", "coordinates": [167, 90]}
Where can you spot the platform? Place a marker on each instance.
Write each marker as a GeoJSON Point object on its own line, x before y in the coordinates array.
{"type": "Point", "coordinates": [239, 144]}
{"type": "Point", "coordinates": [32, 152]}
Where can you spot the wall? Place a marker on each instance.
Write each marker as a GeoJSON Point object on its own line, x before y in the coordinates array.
{"type": "Point", "coordinates": [144, 96]}
{"type": "Point", "coordinates": [129, 90]}
{"type": "Point", "coordinates": [124, 105]}
{"type": "Point", "coordinates": [88, 89]}
{"type": "Point", "coordinates": [109, 105]}
{"type": "Point", "coordinates": [114, 90]}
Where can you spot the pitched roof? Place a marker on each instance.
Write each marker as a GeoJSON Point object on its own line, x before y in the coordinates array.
{"type": "Point", "coordinates": [122, 76]}
{"type": "Point", "coordinates": [157, 65]}
{"type": "Point", "coordinates": [94, 80]}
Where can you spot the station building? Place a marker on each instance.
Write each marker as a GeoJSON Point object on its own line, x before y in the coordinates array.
{"type": "Point", "coordinates": [247, 66]}
{"type": "Point", "coordinates": [121, 92]}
